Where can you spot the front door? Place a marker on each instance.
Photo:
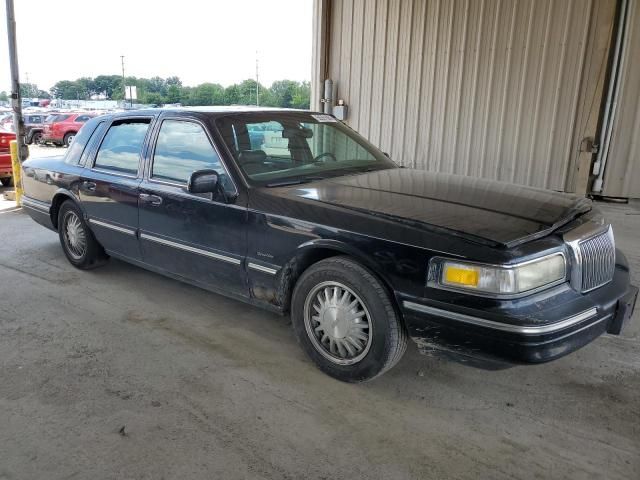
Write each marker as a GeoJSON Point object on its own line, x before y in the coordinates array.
{"type": "Point", "coordinates": [109, 190]}
{"type": "Point", "coordinates": [201, 237]}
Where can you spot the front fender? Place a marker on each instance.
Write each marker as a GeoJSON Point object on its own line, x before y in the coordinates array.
{"type": "Point", "coordinates": [313, 251]}
{"type": "Point", "coordinates": [341, 247]}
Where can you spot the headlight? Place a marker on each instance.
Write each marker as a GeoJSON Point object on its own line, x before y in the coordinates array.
{"type": "Point", "coordinates": [507, 280]}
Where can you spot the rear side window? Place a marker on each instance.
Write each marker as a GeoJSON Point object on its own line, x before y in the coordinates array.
{"type": "Point", "coordinates": [121, 146]}
{"type": "Point", "coordinates": [182, 148]}
{"type": "Point", "coordinates": [83, 118]}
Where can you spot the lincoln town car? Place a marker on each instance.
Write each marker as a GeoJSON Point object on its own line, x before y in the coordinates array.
{"type": "Point", "coordinates": [295, 212]}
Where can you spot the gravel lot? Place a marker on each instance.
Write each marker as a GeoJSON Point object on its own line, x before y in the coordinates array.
{"type": "Point", "coordinates": [121, 373]}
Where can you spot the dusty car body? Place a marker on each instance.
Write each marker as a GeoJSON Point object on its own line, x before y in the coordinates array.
{"type": "Point", "coordinates": [361, 253]}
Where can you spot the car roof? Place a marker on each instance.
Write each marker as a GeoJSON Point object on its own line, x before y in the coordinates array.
{"type": "Point", "coordinates": [218, 110]}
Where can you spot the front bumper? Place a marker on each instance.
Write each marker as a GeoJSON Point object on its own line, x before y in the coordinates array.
{"type": "Point", "coordinates": [548, 326]}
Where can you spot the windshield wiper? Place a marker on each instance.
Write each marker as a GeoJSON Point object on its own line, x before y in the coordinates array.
{"type": "Point", "coordinates": [292, 181]}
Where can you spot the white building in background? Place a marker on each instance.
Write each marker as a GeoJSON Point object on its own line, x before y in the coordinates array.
{"type": "Point", "coordinates": [86, 104]}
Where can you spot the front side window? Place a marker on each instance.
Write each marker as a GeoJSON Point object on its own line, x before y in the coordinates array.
{"type": "Point", "coordinates": [121, 147]}
{"type": "Point", "coordinates": [183, 148]}
{"type": "Point", "coordinates": [276, 147]}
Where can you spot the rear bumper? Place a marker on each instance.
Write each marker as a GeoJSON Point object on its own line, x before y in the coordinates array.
{"type": "Point", "coordinates": [557, 328]}
{"type": "Point", "coordinates": [5, 165]}
{"type": "Point", "coordinates": [38, 211]}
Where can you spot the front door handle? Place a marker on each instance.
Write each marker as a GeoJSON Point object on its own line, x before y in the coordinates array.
{"type": "Point", "coordinates": [153, 200]}
{"type": "Point", "coordinates": [89, 186]}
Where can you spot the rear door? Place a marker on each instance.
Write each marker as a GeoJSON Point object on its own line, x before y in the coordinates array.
{"type": "Point", "coordinates": [201, 237]}
{"type": "Point", "coordinates": [109, 189]}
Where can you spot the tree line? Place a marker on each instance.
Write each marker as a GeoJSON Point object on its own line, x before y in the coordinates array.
{"type": "Point", "coordinates": [160, 91]}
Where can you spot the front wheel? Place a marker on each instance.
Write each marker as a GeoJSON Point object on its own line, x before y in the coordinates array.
{"type": "Point", "coordinates": [78, 242]}
{"type": "Point", "coordinates": [7, 182]}
{"type": "Point", "coordinates": [345, 320]}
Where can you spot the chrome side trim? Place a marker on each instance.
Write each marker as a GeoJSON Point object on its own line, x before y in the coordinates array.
{"type": "Point", "coordinates": [505, 327]}
{"type": "Point", "coordinates": [106, 171]}
{"type": "Point", "coordinates": [111, 226]}
{"type": "Point", "coordinates": [35, 205]}
{"type": "Point", "coordinates": [188, 248]}
{"type": "Point", "coordinates": [260, 268]}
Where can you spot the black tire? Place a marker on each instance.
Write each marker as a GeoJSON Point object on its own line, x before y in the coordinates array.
{"type": "Point", "coordinates": [388, 337]}
{"type": "Point", "coordinates": [92, 255]}
{"type": "Point", "coordinates": [36, 139]}
{"type": "Point", "coordinates": [68, 138]}
{"type": "Point", "coordinates": [7, 182]}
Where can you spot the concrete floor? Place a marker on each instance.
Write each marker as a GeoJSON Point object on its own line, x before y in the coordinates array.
{"type": "Point", "coordinates": [207, 387]}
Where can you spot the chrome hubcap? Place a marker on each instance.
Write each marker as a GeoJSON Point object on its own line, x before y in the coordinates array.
{"type": "Point", "coordinates": [338, 323]}
{"type": "Point", "coordinates": [70, 140]}
{"type": "Point", "coordinates": [74, 235]}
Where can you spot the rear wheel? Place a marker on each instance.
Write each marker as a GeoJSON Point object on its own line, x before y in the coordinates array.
{"type": "Point", "coordinates": [68, 139]}
{"type": "Point", "coordinates": [7, 181]}
{"type": "Point", "coordinates": [345, 320]}
{"type": "Point", "coordinates": [78, 242]}
{"type": "Point", "coordinates": [37, 138]}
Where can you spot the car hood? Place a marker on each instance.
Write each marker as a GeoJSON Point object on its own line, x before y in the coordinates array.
{"type": "Point", "coordinates": [481, 210]}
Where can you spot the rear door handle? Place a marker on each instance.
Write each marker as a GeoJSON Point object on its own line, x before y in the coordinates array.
{"type": "Point", "coordinates": [89, 186]}
{"type": "Point", "coordinates": [154, 200]}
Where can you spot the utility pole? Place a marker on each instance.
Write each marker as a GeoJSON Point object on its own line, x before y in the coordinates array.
{"type": "Point", "coordinates": [257, 83]}
{"type": "Point", "coordinates": [124, 85]}
{"type": "Point", "coordinates": [16, 98]}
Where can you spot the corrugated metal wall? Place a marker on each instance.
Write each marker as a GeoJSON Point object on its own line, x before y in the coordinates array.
{"type": "Point", "coordinates": [478, 87]}
{"type": "Point", "coordinates": [622, 173]}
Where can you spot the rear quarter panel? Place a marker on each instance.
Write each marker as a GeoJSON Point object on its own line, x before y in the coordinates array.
{"type": "Point", "coordinates": [43, 178]}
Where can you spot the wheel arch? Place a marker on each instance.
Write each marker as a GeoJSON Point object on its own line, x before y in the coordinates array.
{"type": "Point", "coordinates": [32, 133]}
{"type": "Point", "coordinates": [56, 202]}
{"type": "Point", "coordinates": [314, 251]}
{"type": "Point", "coordinates": [67, 134]}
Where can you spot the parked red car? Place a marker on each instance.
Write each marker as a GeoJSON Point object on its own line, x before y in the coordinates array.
{"type": "Point", "coordinates": [6, 174]}
{"type": "Point", "coordinates": [61, 128]}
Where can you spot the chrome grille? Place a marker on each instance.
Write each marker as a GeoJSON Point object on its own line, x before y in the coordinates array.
{"type": "Point", "coordinates": [598, 260]}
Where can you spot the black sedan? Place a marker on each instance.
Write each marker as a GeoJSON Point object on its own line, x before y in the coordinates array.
{"type": "Point", "coordinates": [308, 218]}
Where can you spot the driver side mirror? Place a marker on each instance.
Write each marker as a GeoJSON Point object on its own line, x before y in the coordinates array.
{"type": "Point", "coordinates": [203, 181]}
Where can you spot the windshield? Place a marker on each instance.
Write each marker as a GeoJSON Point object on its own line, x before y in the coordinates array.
{"type": "Point", "coordinates": [274, 148]}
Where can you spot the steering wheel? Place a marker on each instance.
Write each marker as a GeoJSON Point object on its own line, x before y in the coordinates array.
{"type": "Point", "coordinates": [325, 154]}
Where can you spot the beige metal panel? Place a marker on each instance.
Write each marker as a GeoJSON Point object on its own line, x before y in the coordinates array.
{"type": "Point", "coordinates": [319, 66]}
{"type": "Point", "coordinates": [622, 173]}
{"type": "Point", "coordinates": [479, 87]}
{"type": "Point", "coordinates": [593, 86]}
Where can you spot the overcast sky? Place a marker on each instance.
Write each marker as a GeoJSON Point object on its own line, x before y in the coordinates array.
{"type": "Point", "coordinates": [199, 41]}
